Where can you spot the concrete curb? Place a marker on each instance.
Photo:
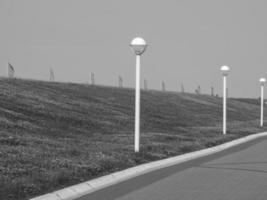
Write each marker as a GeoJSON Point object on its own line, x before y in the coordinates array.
{"type": "Point", "coordinates": [73, 192]}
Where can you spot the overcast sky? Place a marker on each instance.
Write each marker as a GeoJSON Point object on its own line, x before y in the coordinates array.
{"type": "Point", "coordinates": [188, 41]}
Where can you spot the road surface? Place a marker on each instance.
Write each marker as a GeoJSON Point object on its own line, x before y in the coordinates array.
{"type": "Point", "coordinates": [239, 173]}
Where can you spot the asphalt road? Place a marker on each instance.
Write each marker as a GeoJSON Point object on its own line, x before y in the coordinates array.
{"type": "Point", "coordinates": [239, 173]}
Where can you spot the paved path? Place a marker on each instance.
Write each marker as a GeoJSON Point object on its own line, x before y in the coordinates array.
{"type": "Point", "coordinates": [239, 173]}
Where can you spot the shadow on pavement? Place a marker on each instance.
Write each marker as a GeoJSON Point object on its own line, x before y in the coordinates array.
{"type": "Point", "coordinates": [232, 168]}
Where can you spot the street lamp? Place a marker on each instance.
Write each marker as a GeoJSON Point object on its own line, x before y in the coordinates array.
{"type": "Point", "coordinates": [139, 46]}
{"type": "Point", "coordinates": [225, 72]}
{"type": "Point", "coordinates": [262, 81]}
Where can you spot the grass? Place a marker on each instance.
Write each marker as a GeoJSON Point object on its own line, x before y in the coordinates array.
{"type": "Point", "coordinates": [53, 135]}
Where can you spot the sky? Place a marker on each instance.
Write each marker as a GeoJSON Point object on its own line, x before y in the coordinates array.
{"type": "Point", "coordinates": [189, 40]}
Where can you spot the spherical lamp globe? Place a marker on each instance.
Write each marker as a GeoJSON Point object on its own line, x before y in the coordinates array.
{"type": "Point", "coordinates": [225, 70]}
{"type": "Point", "coordinates": [138, 45]}
{"type": "Point", "coordinates": [262, 81]}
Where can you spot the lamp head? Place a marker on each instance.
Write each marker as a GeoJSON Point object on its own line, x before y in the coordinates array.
{"type": "Point", "coordinates": [225, 70]}
{"type": "Point", "coordinates": [262, 81]}
{"type": "Point", "coordinates": [138, 45]}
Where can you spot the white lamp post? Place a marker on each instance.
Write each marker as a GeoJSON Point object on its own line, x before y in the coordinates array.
{"type": "Point", "coordinates": [139, 46]}
{"type": "Point", "coordinates": [225, 72]}
{"type": "Point", "coordinates": [262, 81]}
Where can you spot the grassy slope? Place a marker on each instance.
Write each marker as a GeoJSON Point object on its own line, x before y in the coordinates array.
{"type": "Point", "coordinates": [249, 100]}
{"type": "Point", "coordinates": [53, 135]}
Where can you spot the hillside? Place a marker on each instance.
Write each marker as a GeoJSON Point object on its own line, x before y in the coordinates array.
{"type": "Point", "coordinates": [249, 100]}
{"type": "Point", "coordinates": [57, 134]}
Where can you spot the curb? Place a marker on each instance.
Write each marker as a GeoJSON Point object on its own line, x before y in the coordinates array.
{"type": "Point", "coordinates": [76, 191]}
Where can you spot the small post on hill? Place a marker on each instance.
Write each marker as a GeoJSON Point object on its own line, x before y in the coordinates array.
{"type": "Point", "coordinates": [52, 75]}
{"type": "Point", "coordinates": [120, 82]}
{"type": "Point", "coordinates": [182, 88]}
{"type": "Point", "coordinates": [163, 86]}
{"type": "Point", "coordinates": [212, 91]}
{"type": "Point", "coordinates": [92, 79]}
{"type": "Point", "coordinates": [145, 85]}
{"type": "Point", "coordinates": [199, 89]}
{"type": "Point", "coordinates": [10, 71]}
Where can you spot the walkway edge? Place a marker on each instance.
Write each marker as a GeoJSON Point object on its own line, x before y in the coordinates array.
{"type": "Point", "coordinates": [76, 191]}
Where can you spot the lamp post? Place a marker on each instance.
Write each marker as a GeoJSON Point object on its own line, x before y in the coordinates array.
{"type": "Point", "coordinates": [262, 81]}
{"type": "Point", "coordinates": [225, 72]}
{"type": "Point", "coordinates": [139, 46]}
